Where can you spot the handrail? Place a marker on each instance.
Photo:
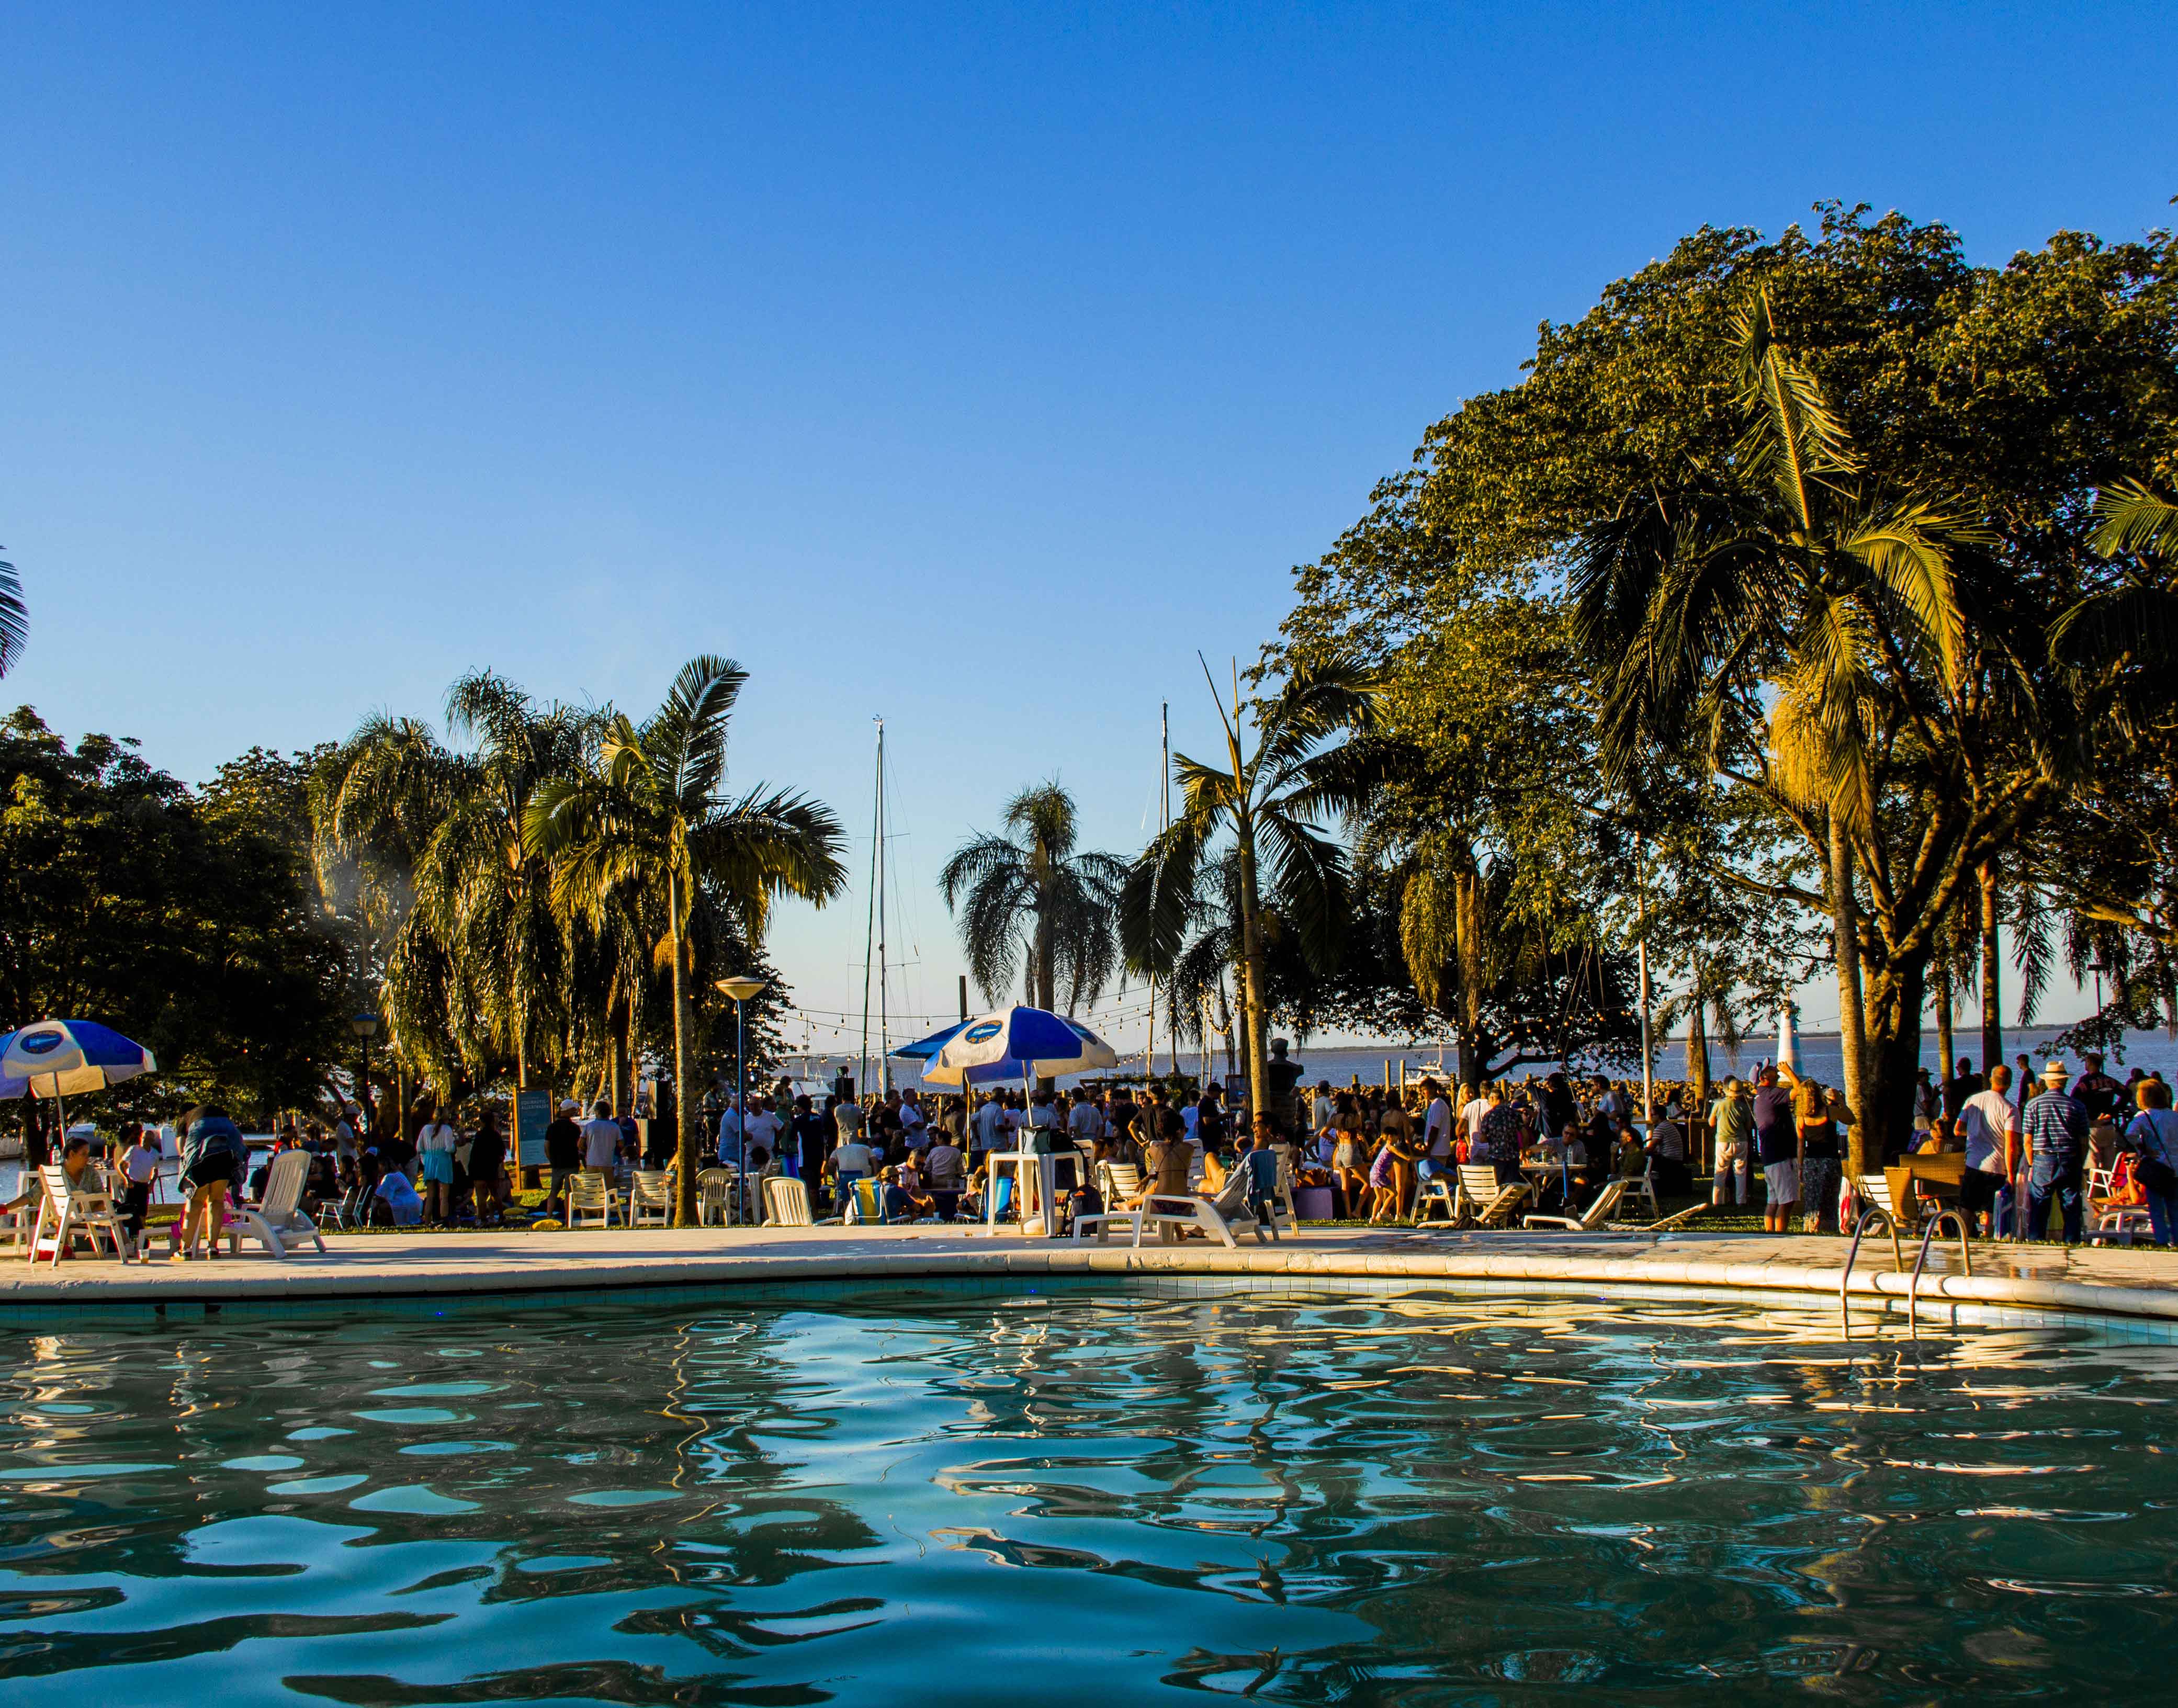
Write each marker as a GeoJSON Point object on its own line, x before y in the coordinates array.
{"type": "Point", "coordinates": [1875, 1213]}
{"type": "Point", "coordinates": [1929, 1232]}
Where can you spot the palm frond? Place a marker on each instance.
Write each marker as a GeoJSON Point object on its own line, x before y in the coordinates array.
{"type": "Point", "coordinates": [15, 619]}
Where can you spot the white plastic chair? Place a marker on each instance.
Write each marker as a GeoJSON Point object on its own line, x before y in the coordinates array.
{"type": "Point", "coordinates": [280, 1218]}
{"type": "Point", "coordinates": [590, 1193]}
{"type": "Point", "coordinates": [786, 1202]}
{"type": "Point", "coordinates": [650, 1198]}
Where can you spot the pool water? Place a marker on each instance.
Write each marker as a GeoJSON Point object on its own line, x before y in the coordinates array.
{"type": "Point", "coordinates": [1093, 1498]}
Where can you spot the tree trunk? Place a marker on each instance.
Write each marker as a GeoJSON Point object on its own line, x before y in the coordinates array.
{"type": "Point", "coordinates": [1046, 981]}
{"type": "Point", "coordinates": [1852, 1011]}
{"type": "Point", "coordinates": [1892, 1060]}
{"type": "Point", "coordinates": [1467, 947]}
{"type": "Point", "coordinates": [1697, 1057]}
{"type": "Point", "coordinates": [1252, 974]}
{"type": "Point", "coordinates": [1992, 969]}
{"type": "Point", "coordinates": [684, 1139]}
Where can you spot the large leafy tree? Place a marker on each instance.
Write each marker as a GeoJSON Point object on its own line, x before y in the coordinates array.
{"type": "Point", "coordinates": [1287, 776]}
{"type": "Point", "coordinates": [648, 815]}
{"type": "Point", "coordinates": [1786, 579]}
{"type": "Point", "coordinates": [2001, 397]}
{"type": "Point", "coordinates": [183, 918]}
{"type": "Point", "coordinates": [1030, 901]}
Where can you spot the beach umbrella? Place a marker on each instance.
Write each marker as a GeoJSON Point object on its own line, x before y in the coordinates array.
{"type": "Point", "coordinates": [925, 1047]}
{"type": "Point", "coordinates": [1022, 1044]}
{"type": "Point", "coordinates": [58, 1058]}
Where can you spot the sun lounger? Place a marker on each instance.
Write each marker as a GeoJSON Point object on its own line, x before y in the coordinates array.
{"type": "Point", "coordinates": [1482, 1203]}
{"type": "Point", "coordinates": [280, 1218]}
{"type": "Point", "coordinates": [1643, 1186]}
{"type": "Point", "coordinates": [1669, 1224]}
{"type": "Point", "coordinates": [1593, 1217]}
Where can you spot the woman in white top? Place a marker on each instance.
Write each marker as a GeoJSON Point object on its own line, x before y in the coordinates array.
{"type": "Point", "coordinates": [435, 1152]}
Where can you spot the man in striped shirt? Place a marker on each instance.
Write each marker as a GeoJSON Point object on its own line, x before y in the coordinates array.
{"type": "Point", "coordinates": [2055, 1130]}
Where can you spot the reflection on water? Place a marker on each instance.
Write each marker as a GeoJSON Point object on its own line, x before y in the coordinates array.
{"type": "Point", "coordinates": [1077, 1500]}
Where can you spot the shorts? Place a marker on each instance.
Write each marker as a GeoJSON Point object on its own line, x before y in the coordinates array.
{"type": "Point", "coordinates": [210, 1171]}
{"type": "Point", "coordinates": [439, 1168]}
{"type": "Point", "coordinates": [1783, 1182]}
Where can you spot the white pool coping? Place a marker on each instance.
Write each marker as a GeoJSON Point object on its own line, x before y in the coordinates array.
{"type": "Point", "coordinates": [2141, 1285]}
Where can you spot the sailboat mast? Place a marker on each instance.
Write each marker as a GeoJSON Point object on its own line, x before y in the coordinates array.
{"type": "Point", "coordinates": [1164, 824]}
{"type": "Point", "coordinates": [870, 930]}
{"type": "Point", "coordinates": [884, 1039]}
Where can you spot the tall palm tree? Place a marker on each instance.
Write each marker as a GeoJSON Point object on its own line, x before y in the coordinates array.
{"type": "Point", "coordinates": [1790, 580]}
{"type": "Point", "coordinates": [648, 816]}
{"type": "Point", "coordinates": [15, 619]}
{"type": "Point", "coordinates": [1028, 902]}
{"type": "Point", "coordinates": [1285, 769]}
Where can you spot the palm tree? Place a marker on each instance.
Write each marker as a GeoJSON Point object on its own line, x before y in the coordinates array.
{"type": "Point", "coordinates": [1028, 902]}
{"type": "Point", "coordinates": [1285, 769]}
{"type": "Point", "coordinates": [15, 619]}
{"type": "Point", "coordinates": [648, 816]}
{"type": "Point", "coordinates": [1790, 580]}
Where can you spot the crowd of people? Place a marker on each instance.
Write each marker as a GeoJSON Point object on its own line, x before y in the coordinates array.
{"type": "Point", "coordinates": [2034, 1146]}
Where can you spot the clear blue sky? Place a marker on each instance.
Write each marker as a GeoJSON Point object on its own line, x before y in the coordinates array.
{"type": "Point", "coordinates": [971, 367]}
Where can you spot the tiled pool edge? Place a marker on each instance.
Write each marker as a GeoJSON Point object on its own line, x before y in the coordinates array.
{"type": "Point", "coordinates": [2126, 1314]}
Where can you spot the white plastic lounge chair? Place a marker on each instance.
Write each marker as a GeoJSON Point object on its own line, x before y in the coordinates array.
{"type": "Point", "coordinates": [68, 1210]}
{"type": "Point", "coordinates": [786, 1202]}
{"type": "Point", "coordinates": [1482, 1203]}
{"type": "Point", "coordinates": [280, 1218]}
{"type": "Point", "coordinates": [1669, 1224]}
{"type": "Point", "coordinates": [1594, 1217]}
{"type": "Point", "coordinates": [1119, 1183]}
{"type": "Point", "coordinates": [650, 1198]}
{"type": "Point", "coordinates": [590, 1193]}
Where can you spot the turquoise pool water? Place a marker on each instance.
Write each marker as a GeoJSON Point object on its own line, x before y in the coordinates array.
{"type": "Point", "coordinates": [1088, 1498]}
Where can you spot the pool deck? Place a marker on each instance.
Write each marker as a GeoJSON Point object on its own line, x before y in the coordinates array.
{"type": "Point", "coordinates": [2116, 1282]}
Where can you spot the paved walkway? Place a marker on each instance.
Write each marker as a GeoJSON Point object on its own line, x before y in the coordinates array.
{"type": "Point", "coordinates": [2138, 1283]}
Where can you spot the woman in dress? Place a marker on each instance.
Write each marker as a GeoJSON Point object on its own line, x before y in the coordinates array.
{"type": "Point", "coordinates": [435, 1154]}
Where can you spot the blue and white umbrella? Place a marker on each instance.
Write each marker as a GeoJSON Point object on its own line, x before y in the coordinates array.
{"type": "Point", "coordinates": [1016, 1043]}
{"type": "Point", "coordinates": [60, 1058]}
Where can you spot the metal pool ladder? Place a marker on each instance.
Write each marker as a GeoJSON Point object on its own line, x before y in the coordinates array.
{"type": "Point", "coordinates": [1881, 1214]}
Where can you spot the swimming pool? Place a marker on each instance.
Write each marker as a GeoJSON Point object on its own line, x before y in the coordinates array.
{"type": "Point", "coordinates": [1093, 1497]}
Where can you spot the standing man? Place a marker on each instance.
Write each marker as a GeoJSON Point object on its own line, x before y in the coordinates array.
{"type": "Point", "coordinates": [1437, 1132]}
{"type": "Point", "coordinates": [601, 1139]}
{"type": "Point", "coordinates": [2055, 1129]}
{"type": "Point", "coordinates": [2107, 1104]}
{"type": "Point", "coordinates": [731, 1147]}
{"type": "Point", "coordinates": [1963, 1085]}
{"type": "Point", "coordinates": [1990, 1125]}
{"type": "Point", "coordinates": [1731, 1118]}
{"type": "Point", "coordinates": [1777, 1148]}
{"type": "Point", "coordinates": [763, 1128]}
{"type": "Point", "coordinates": [563, 1152]}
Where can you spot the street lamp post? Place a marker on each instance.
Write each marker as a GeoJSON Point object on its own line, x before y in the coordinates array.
{"type": "Point", "coordinates": [742, 989]}
{"type": "Point", "coordinates": [365, 1026]}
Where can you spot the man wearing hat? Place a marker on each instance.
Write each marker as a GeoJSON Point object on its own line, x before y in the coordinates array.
{"type": "Point", "coordinates": [563, 1151]}
{"type": "Point", "coordinates": [2055, 1130]}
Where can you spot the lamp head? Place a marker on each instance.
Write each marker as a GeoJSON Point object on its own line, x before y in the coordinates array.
{"type": "Point", "coordinates": [740, 989]}
{"type": "Point", "coordinates": [365, 1026]}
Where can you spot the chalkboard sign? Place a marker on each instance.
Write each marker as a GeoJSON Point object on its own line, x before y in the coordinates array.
{"type": "Point", "coordinates": [533, 1113]}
